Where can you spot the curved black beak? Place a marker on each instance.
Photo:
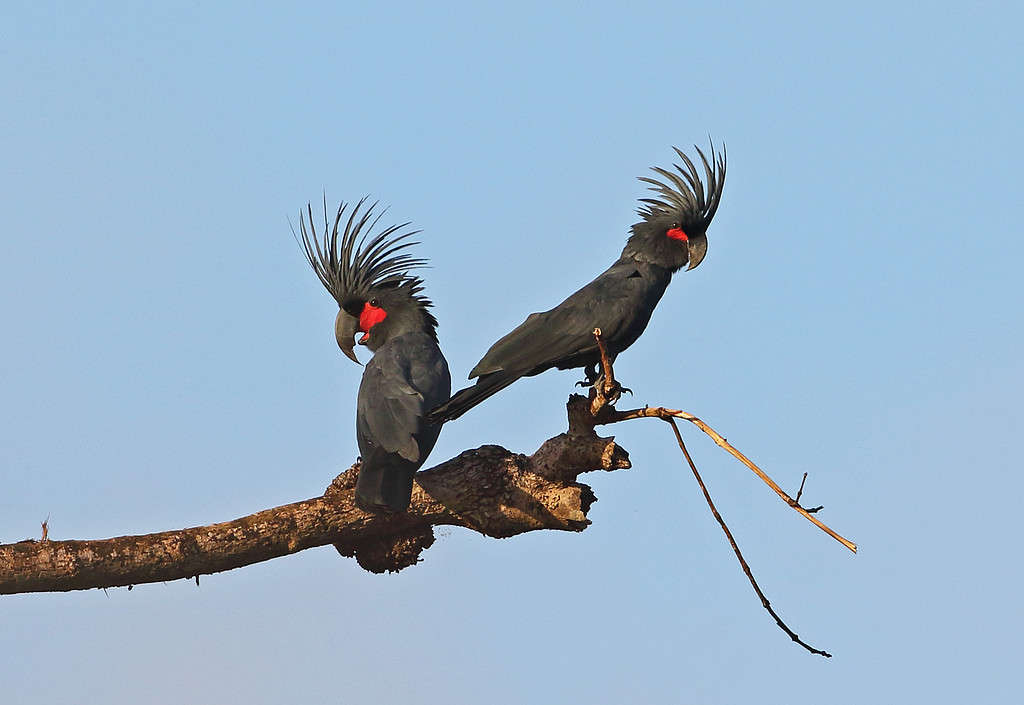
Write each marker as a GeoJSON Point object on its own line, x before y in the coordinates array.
{"type": "Point", "coordinates": [698, 247]}
{"type": "Point", "coordinates": [345, 328]}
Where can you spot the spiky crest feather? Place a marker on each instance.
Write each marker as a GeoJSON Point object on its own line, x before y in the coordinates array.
{"type": "Point", "coordinates": [686, 195]}
{"type": "Point", "coordinates": [353, 263]}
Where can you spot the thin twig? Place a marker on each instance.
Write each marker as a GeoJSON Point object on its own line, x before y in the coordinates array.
{"type": "Point", "coordinates": [809, 510]}
{"type": "Point", "coordinates": [736, 549]}
{"type": "Point", "coordinates": [605, 384]}
{"type": "Point", "coordinates": [801, 490]}
{"type": "Point", "coordinates": [608, 416]}
{"type": "Point", "coordinates": [607, 375]}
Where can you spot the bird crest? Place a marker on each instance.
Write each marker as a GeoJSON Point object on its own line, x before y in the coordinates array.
{"type": "Point", "coordinates": [349, 260]}
{"type": "Point", "coordinates": [684, 192]}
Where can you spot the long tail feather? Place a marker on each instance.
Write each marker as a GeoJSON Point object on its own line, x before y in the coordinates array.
{"type": "Point", "coordinates": [464, 400]}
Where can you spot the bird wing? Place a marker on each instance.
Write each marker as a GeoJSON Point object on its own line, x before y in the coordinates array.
{"type": "Point", "coordinates": [546, 339]}
{"type": "Point", "coordinates": [390, 409]}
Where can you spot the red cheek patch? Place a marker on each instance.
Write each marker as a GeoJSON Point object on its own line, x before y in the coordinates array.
{"type": "Point", "coordinates": [676, 234]}
{"type": "Point", "coordinates": [368, 318]}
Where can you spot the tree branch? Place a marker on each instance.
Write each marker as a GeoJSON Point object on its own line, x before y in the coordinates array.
{"type": "Point", "coordinates": [489, 490]}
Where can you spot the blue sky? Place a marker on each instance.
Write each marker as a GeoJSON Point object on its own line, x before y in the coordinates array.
{"type": "Point", "coordinates": [168, 358]}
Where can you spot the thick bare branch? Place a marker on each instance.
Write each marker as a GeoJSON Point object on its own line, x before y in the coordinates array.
{"type": "Point", "coordinates": [490, 490]}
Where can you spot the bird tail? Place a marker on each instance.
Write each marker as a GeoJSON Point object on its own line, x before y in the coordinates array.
{"type": "Point", "coordinates": [464, 400]}
{"type": "Point", "coordinates": [384, 487]}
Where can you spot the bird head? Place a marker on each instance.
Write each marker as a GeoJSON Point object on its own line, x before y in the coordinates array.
{"type": "Point", "coordinates": [368, 275]}
{"type": "Point", "coordinates": [673, 232]}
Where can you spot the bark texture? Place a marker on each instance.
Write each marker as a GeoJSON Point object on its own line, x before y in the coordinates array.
{"type": "Point", "coordinates": [489, 489]}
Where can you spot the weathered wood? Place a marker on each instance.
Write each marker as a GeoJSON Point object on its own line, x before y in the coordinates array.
{"type": "Point", "coordinates": [489, 490]}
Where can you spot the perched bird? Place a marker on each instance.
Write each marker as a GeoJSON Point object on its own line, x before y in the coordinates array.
{"type": "Point", "coordinates": [620, 301]}
{"type": "Point", "coordinates": [368, 275]}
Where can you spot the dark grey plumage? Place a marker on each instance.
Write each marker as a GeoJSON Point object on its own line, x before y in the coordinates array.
{"type": "Point", "coordinates": [620, 301]}
{"type": "Point", "coordinates": [368, 275]}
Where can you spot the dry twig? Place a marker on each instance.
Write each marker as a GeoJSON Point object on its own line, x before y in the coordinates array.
{"type": "Point", "coordinates": [602, 390]}
{"type": "Point", "coordinates": [609, 416]}
{"type": "Point", "coordinates": [736, 549]}
{"type": "Point", "coordinates": [602, 412]}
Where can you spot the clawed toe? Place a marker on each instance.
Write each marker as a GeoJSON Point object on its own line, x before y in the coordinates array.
{"type": "Point", "coordinates": [613, 393]}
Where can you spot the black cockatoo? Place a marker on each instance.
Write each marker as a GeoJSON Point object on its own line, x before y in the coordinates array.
{"type": "Point", "coordinates": [671, 235]}
{"type": "Point", "coordinates": [368, 275]}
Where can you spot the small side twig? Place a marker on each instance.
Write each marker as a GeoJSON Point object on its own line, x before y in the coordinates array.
{"type": "Point", "coordinates": [606, 364]}
{"type": "Point", "coordinates": [799, 492]}
{"type": "Point", "coordinates": [600, 391]}
{"type": "Point", "coordinates": [736, 549]}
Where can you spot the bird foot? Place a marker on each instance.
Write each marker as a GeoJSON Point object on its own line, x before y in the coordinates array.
{"type": "Point", "coordinates": [609, 392]}
{"type": "Point", "coordinates": [592, 376]}
{"type": "Point", "coordinates": [615, 391]}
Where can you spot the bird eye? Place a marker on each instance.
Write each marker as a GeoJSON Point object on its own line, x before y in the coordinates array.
{"type": "Point", "coordinates": [375, 303]}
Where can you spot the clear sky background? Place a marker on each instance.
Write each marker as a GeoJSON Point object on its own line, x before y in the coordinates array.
{"type": "Point", "coordinates": [168, 358]}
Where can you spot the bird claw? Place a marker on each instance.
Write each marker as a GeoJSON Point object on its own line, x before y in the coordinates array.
{"type": "Point", "coordinates": [616, 390]}
{"type": "Point", "coordinates": [595, 380]}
